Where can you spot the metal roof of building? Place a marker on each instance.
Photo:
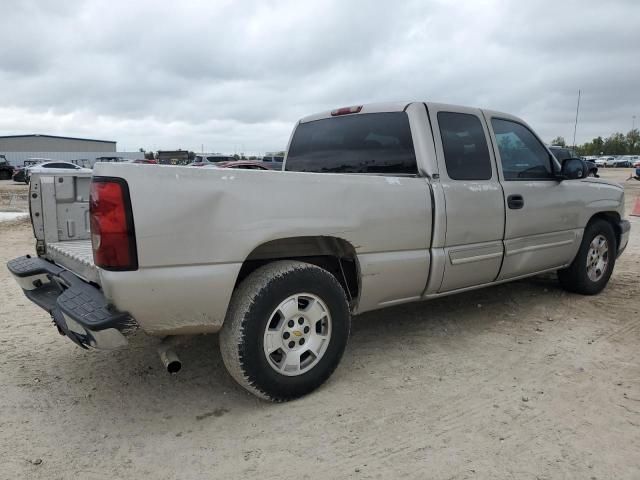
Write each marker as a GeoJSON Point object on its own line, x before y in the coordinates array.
{"type": "Point", "coordinates": [56, 136]}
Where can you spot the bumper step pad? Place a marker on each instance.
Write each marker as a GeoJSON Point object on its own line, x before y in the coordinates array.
{"type": "Point", "coordinates": [29, 266]}
{"type": "Point", "coordinates": [79, 309]}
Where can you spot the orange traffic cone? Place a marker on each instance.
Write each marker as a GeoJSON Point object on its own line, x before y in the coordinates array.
{"type": "Point", "coordinates": [636, 209]}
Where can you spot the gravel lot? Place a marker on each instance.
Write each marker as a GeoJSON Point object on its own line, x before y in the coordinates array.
{"type": "Point", "coordinates": [517, 381]}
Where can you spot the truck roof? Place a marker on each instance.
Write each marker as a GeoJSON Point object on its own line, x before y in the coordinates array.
{"type": "Point", "coordinates": [394, 107]}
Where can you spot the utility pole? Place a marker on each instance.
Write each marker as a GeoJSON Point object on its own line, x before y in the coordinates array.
{"type": "Point", "coordinates": [633, 122]}
{"type": "Point", "coordinates": [575, 127]}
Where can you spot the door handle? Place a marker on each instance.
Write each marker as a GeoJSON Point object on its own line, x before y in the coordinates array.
{"type": "Point", "coordinates": [515, 202]}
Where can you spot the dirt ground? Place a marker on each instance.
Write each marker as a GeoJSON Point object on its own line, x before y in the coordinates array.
{"type": "Point", "coordinates": [518, 381]}
{"type": "Point", "coordinates": [13, 196]}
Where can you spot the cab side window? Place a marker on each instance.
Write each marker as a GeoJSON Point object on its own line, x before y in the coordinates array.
{"type": "Point", "coordinates": [522, 155]}
{"type": "Point", "coordinates": [466, 153]}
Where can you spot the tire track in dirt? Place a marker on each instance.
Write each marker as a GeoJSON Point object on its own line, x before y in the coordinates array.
{"type": "Point", "coordinates": [455, 414]}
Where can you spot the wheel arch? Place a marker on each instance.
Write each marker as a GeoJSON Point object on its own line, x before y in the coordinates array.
{"type": "Point", "coordinates": [334, 254]}
{"type": "Point", "coordinates": [611, 217]}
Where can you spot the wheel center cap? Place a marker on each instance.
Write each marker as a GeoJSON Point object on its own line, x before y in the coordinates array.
{"type": "Point", "coordinates": [297, 333]}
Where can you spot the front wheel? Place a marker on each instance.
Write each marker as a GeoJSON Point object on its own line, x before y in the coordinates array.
{"type": "Point", "coordinates": [590, 271]}
{"type": "Point", "coordinates": [286, 330]}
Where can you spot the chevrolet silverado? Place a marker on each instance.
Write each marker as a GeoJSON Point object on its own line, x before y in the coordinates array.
{"type": "Point", "coordinates": [378, 205]}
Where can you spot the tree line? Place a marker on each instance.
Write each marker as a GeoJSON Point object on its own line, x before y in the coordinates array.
{"type": "Point", "coordinates": [615, 144]}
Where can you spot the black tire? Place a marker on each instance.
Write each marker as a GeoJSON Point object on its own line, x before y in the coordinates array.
{"type": "Point", "coordinates": [250, 310]}
{"type": "Point", "coordinates": [5, 175]}
{"type": "Point", "coordinates": [575, 278]}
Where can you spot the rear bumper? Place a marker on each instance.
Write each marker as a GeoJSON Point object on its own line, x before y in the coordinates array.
{"type": "Point", "coordinates": [79, 309]}
{"type": "Point", "coordinates": [625, 228]}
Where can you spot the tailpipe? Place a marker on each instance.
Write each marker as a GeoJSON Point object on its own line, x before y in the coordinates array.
{"type": "Point", "coordinates": [170, 360]}
{"type": "Point", "coordinates": [168, 356]}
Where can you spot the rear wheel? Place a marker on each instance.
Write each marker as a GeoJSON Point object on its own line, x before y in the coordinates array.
{"type": "Point", "coordinates": [590, 271]}
{"type": "Point", "coordinates": [286, 330]}
{"type": "Point", "coordinates": [5, 175]}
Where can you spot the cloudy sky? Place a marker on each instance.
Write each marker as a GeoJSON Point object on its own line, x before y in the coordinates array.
{"type": "Point", "coordinates": [235, 75]}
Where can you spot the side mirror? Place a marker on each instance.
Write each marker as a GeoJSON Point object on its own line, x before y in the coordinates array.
{"type": "Point", "coordinates": [573, 169]}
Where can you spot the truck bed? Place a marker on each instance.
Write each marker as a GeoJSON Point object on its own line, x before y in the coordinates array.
{"type": "Point", "coordinates": [75, 255]}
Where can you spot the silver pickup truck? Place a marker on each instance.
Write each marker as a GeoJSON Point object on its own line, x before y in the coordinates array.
{"type": "Point", "coordinates": [378, 205]}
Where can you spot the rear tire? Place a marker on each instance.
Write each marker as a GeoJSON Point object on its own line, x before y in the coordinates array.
{"type": "Point", "coordinates": [286, 330]}
{"type": "Point", "coordinates": [590, 271]}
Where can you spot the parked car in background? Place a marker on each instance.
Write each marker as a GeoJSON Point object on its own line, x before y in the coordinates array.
{"type": "Point", "coordinates": [145, 161]}
{"type": "Point", "coordinates": [243, 164]}
{"type": "Point", "coordinates": [626, 161]}
{"type": "Point", "coordinates": [274, 160]}
{"type": "Point", "coordinates": [564, 153]}
{"type": "Point", "coordinates": [207, 158]}
{"type": "Point", "coordinates": [20, 174]}
{"type": "Point", "coordinates": [6, 169]}
{"type": "Point", "coordinates": [53, 167]}
{"type": "Point", "coordinates": [378, 205]}
{"type": "Point", "coordinates": [173, 157]}
{"type": "Point", "coordinates": [108, 159]}
{"type": "Point", "coordinates": [82, 162]}
{"type": "Point", "coordinates": [622, 164]}
{"type": "Point", "coordinates": [601, 162]}
{"type": "Point", "coordinates": [273, 157]}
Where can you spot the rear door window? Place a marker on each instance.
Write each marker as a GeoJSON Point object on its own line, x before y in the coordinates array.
{"type": "Point", "coordinates": [367, 143]}
{"type": "Point", "coordinates": [466, 153]}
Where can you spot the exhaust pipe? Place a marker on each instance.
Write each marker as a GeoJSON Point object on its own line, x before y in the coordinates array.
{"type": "Point", "coordinates": [168, 356]}
{"type": "Point", "coordinates": [170, 360]}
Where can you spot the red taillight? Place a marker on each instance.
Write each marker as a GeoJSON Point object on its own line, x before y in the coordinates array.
{"type": "Point", "coordinates": [346, 110]}
{"type": "Point", "coordinates": [112, 234]}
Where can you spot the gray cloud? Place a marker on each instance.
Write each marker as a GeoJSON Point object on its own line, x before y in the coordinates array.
{"type": "Point", "coordinates": [237, 75]}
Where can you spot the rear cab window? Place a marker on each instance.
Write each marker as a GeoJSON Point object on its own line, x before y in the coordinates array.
{"type": "Point", "coordinates": [375, 143]}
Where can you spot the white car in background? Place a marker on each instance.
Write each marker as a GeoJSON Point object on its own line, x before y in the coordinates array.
{"type": "Point", "coordinates": [601, 161]}
{"type": "Point", "coordinates": [627, 161]}
{"type": "Point", "coordinates": [54, 167]}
